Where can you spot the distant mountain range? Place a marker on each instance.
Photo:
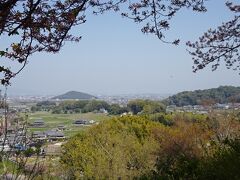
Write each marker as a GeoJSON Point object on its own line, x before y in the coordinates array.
{"type": "Point", "coordinates": [75, 95]}
{"type": "Point", "coordinates": [222, 95]}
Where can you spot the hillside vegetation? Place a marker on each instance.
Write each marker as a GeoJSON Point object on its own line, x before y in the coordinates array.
{"type": "Point", "coordinates": [74, 95]}
{"type": "Point", "coordinates": [134, 147]}
{"type": "Point", "coordinates": [84, 106]}
{"type": "Point", "coordinates": [222, 94]}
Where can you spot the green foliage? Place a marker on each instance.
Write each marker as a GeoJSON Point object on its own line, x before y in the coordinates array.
{"type": "Point", "coordinates": [84, 106]}
{"type": "Point", "coordinates": [56, 110]}
{"type": "Point", "coordinates": [170, 119]}
{"type": "Point", "coordinates": [116, 109]}
{"type": "Point", "coordinates": [46, 103]}
{"type": "Point", "coordinates": [43, 106]}
{"type": "Point", "coordinates": [165, 119]}
{"type": "Point", "coordinates": [70, 107]}
{"type": "Point", "coordinates": [29, 152]}
{"type": "Point", "coordinates": [224, 163]}
{"type": "Point", "coordinates": [146, 106]}
{"type": "Point", "coordinates": [35, 108]}
{"type": "Point", "coordinates": [75, 95]}
{"type": "Point", "coordinates": [79, 106]}
{"type": "Point", "coordinates": [134, 147]}
{"type": "Point", "coordinates": [118, 148]}
{"type": "Point", "coordinates": [136, 106]}
{"type": "Point", "coordinates": [222, 94]}
{"type": "Point", "coordinates": [10, 166]}
{"type": "Point", "coordinates": [95, 105]}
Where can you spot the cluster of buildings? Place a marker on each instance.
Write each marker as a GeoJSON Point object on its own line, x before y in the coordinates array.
{"type": "Point", "coordinates": [54, 134]}
{"type": "Point", "coordinates": [13, 138]}
{"type": "Point", "coordinates": [50, 135]}
{"type": "Point", "coordinates": [12, 131]}
{"type": "Point", "coordinates": [123, 99]}
{"type": "Point", "coordinates": [203, 109]}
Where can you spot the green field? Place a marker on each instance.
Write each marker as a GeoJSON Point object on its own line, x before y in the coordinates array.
{"type": "Point", "coordinates": [53, 120]}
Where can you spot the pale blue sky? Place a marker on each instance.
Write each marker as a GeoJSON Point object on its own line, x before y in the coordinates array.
{"type": "Point", "coordinates": [114, 57]}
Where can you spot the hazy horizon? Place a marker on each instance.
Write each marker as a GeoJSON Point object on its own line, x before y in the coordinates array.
{"type": "Point", "coordinates": [27, 92]}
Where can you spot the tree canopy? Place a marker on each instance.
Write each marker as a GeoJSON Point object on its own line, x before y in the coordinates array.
{"type": "Point", "coordinates": [119, 148]}
{"type": "Point", "coordinates": [134, 147]}
{"type": "Point", "coordinates": [44, 26]}
{"type": "Point", "coordinates": [145, 106]}
{"type": "Point", "coordinates": [222, 94]}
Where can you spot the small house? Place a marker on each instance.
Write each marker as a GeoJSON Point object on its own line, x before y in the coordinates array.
{"type": "Point", "coordinates": [81, 122]}
{"type": "Point", "coordinates": [55, 135]}
{"type": "Point", "coordinates": [38, 123]}
{"type": "Point", "coordinates": [37, 135]}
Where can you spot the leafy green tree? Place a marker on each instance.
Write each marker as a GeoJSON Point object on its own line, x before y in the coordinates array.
{"type": "Point", "coordinates": [222, 94]}
{"type": "Point", "coordinates": [134, 147]}
{"type": "Point", "coordinates": [119, 148]}
{"type": "Point", "coordinates": [152, 107]}
{"type": "Point", "coordinates": [223, 163]}
{"type": "Point", "coordinates": [45, 105]}
{"type": "Point", "coordinates": [166, 119]}
{"type": "Point", "coordinates": [96, 105]}
{"type": "Point", "coordinates": [116, 109]}
{"type": "Point", "coordinates": [146, 106]}
{"type": "Point", "coordinates": [56, 110]}
{"type": "Point", "coordinates": [35, 108]}
{"type": "Point", "coordinates": [136, 106]}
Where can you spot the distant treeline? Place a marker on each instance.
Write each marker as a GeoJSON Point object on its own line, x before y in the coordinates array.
{"type": "Point", "coordinates": [84, 106]}
{"type": "Point", "coordinates": [222, 95]}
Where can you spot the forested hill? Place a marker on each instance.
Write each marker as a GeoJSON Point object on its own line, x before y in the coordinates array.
{"type": "Point", "coordinates": [222, 94]}
{"type": "Point", "coordinates": [75, 95]}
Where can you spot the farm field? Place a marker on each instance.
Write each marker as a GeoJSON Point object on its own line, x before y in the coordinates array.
{"type": "Point", "coordinates": [53, 120]}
